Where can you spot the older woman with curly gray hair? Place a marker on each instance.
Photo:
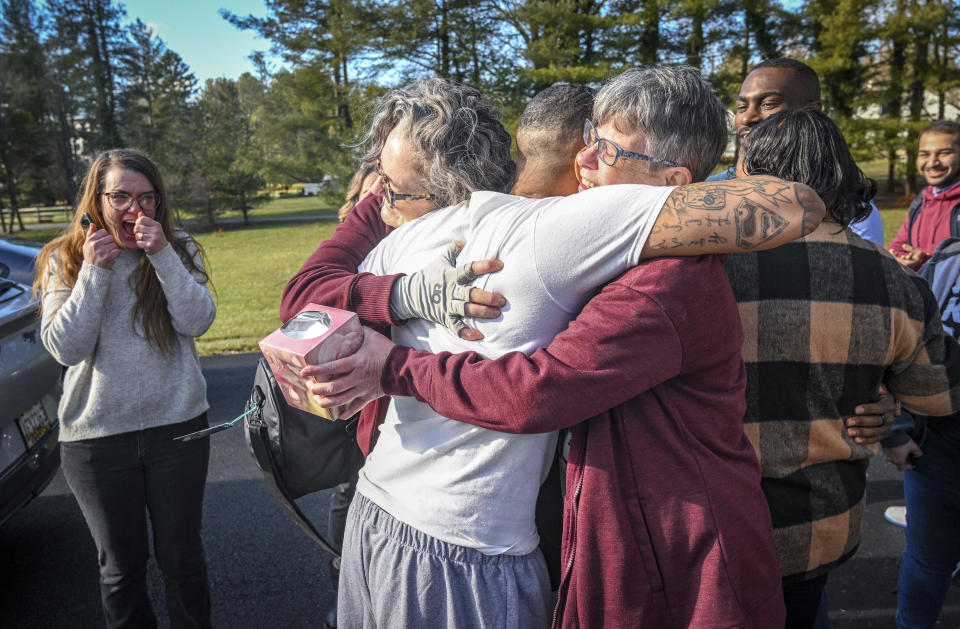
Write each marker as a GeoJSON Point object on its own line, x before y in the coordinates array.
{"type": "Point", "coordinates": [432, 143]}
{"type": "Point", "coordinates": [435, 143]}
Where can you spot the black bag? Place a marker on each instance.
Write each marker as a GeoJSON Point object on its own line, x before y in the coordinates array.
{"type": "Point", "coordinates": [549, 514]}
{"type": "Point", "coordinates": [298, 452]}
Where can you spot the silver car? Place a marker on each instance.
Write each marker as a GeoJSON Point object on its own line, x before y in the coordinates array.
{"type": "Point", "coordinates": [29, 386]}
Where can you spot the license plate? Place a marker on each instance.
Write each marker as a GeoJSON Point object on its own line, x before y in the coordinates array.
{"type": "Point", "coordinates": [34, 424]}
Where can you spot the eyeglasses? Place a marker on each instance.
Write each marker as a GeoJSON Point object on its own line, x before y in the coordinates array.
{"type": "Point", "coordinates": [609, 153]}
{"type": "Point", "coordinates": [392, 197]}
{"type": "Point", "coordinates": [121, 201]}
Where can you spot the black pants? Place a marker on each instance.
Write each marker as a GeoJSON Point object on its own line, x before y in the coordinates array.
{"type": "Point", "coordinates": [802, 600]}
{"type": "Point", "coordinates": [340, 501]}
{"type": "Point", "coordinates": [117, 480]}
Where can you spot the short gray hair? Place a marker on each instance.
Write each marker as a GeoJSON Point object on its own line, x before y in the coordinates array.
{"type": "Point", "coordinates": [674, 111]}
{"type": "Point", "coordinates": [455, 134]}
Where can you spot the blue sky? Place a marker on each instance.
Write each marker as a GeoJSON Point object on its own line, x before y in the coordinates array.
{"type": "Point", "coordinates": [210, 45]}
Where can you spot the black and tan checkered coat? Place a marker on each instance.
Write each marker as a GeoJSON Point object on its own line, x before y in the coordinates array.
{"type": "Point", "coordinates": [826, 320]}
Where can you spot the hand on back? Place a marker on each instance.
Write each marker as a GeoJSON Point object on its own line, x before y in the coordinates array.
{"type": "Point", "coordinates": [441, 293]}
{"type": "Point", "coordinates": [873, 420]}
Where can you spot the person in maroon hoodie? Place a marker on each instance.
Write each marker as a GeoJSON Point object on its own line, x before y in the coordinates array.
{"type": "Point", "coordinates": [664, 522]}
{"type": "Point", "coordinates": [935, 214]}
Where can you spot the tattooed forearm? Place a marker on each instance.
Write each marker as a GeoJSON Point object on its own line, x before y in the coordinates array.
{"type": "Point", "coordinates": [735, 215]}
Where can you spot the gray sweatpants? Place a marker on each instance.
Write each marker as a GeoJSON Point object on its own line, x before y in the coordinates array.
{"type": "Point", "coordinates": [394, 576]}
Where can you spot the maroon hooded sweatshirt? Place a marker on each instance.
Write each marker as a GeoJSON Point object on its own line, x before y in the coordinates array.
{"type": "Point", "coordinates": [932, 223]}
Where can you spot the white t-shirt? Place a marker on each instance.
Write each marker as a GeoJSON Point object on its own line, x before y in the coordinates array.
{"type": "Point", "coordinates": [471, 486]}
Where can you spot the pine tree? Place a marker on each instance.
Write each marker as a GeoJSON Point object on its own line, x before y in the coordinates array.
{"type": "Point", "coordinates": [224, 145]}
{"type": "Point", "coordinates": [22, 103]}
{"type": "Point", "coordinates": [98, 41]}
{"type": "Point", "coordinates": [157, 86]}
{"type": "Point", "coordinates": [326, 34]}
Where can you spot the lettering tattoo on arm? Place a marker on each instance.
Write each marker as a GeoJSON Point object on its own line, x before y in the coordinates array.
{"type": "Point", "coordinates": [736, 215]}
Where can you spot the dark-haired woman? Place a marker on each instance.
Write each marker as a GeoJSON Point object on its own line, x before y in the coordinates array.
{"type": "Point", "coordinates": [826, 319]}
{"type": "Point", "coordinates": [123, 300]}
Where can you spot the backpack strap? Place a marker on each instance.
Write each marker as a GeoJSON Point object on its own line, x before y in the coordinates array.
{"type": "Point", "coordinates": [912, 212]}
{"type": "Point", "coordinates": [955, 221]}
{"type": "Point", "coordinates": [259, 443]}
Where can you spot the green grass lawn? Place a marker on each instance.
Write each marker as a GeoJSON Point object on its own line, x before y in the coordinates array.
{"type": "Point", "coordinates": [38, 235]}
{"type": "Point", "coordinates": [287, 207]}
{"type": "Point", "coordinates": [875, 169]}
{"type": "Point", "coordinates": [275, 207]}
{"type": "Point", "coordinates": [892, 220]}
{"type": "Point", "coordinates": [249, 268]}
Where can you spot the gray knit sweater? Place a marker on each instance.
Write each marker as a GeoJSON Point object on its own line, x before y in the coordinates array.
{"type": "Point", "coordinates": [116, 382]}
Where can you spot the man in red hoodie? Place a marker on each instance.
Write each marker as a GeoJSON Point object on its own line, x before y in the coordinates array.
{"type": "Point", "coordinates": [935, 214]}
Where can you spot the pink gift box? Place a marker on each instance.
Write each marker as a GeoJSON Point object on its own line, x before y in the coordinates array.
{"type": "Point", "coordinates": [317, 334]}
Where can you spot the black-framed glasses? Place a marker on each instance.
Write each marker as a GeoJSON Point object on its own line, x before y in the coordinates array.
{"type": "Point", "coordinates": [121, 201]}
{"type": "Point", "coordinates": [392, 197]}
{"type": "Point", "coordinates": [608, 151]}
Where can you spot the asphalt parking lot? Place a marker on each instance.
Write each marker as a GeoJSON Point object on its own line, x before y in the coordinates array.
{"type": "Point", "coordinates": [265, 572]}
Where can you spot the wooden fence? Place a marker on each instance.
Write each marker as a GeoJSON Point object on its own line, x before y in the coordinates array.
{"type": "Point", "coordinates": [49, 214]}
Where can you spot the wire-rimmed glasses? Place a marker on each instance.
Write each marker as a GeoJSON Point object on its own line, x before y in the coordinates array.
{"type": "Point", "coordinates": [609, 153]}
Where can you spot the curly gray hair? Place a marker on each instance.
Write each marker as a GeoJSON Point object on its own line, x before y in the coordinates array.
{"type": "Point", "coordinates": [674, 111]}
{"type": "Point", "coordinates": [455, 134]}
